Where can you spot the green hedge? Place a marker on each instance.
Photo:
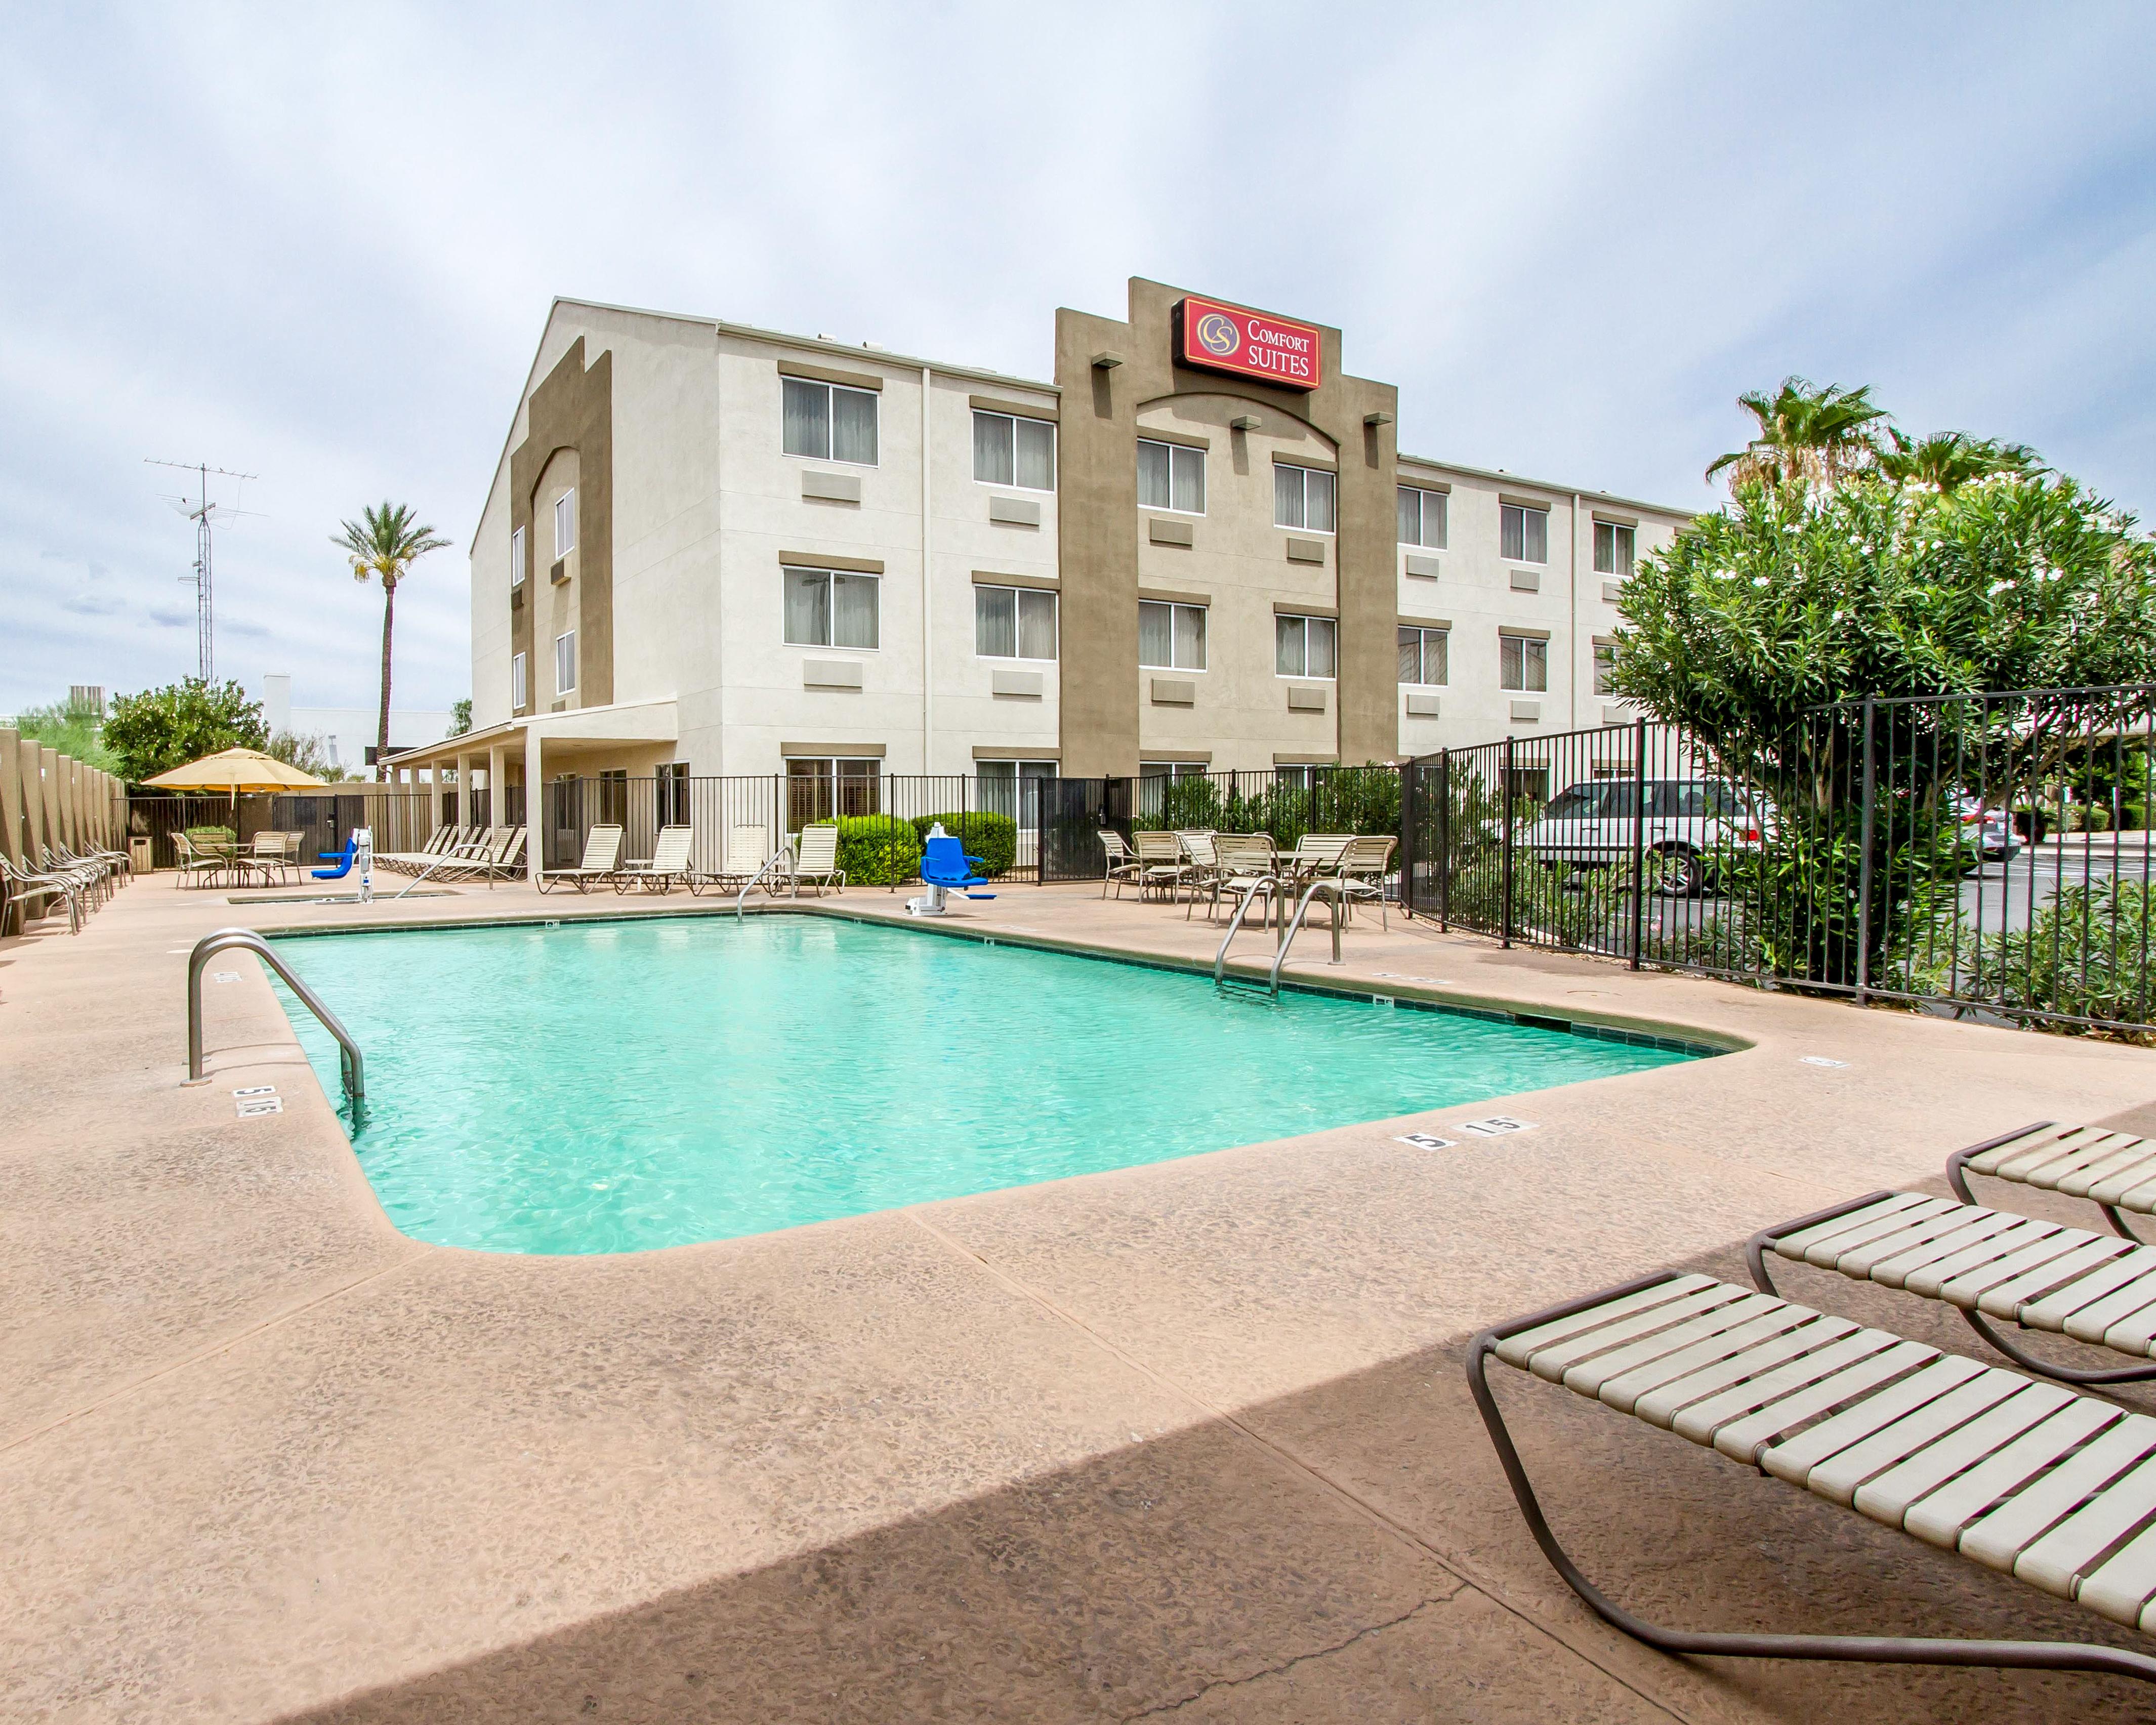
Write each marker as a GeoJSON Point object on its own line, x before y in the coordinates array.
{"type": "Point", "coordinates": [992, 838]}
{"type": "Point", "coordinates": [877, 849]}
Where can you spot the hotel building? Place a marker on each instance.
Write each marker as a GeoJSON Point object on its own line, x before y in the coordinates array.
{"type": "Point", "coordinates": [711, 549]}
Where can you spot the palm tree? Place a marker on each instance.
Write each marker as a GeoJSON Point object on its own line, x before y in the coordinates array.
{"type": "Point", "coordinates": [1948, 459]}
{"type": "Point", "coordinates": [383, 544]}
{"type": "Point", "coordinates": [1807, 435]}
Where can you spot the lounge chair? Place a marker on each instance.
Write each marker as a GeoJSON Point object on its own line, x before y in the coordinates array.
{"type": "Point", "coordinates": [816, 859]}
{"type": "Point", "coordinates": [602, 854]}
{"type": "Point", "coordinates": [1160, 865]}
{"type": "Point", "coordinates": [1241, 861]}
{"type": "Point", "coordinates": [24, 884]}
{"type": "Point", "coordinates": [1363, 865]}
{"type": "Point", "coordinates": [2114, 1171]}
{"type": "Point", "coordinates": [2025, 1478]}
{"type": "Point", "coordinates": [666, 866]}
{"type": "Point", "coordinates": [746, 853]}
{"type": "Point", "coordinates": [1123, 864]}
{"type": "Point", "coordinates": [1203, 860]}
{"type": "Point", "coordinates": [445, 841]}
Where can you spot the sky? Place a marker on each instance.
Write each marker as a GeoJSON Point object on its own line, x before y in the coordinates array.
{"type": "Point", "coordinates": [317, 245]}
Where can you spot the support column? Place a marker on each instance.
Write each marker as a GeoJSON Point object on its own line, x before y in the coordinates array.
{"type": "Point", "coordinates": [535, 807]}
{"type": "Point", "coordinates": [467, 792]}
{"type": "Point", "coordinates": [497, 786]}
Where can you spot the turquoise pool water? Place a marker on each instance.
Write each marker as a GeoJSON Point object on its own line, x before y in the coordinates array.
{"type": "Point", "coordinates": [614, 1086]}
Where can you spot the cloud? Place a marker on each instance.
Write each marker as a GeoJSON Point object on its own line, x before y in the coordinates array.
{"type": "Point", "coordinates": [319, 249]}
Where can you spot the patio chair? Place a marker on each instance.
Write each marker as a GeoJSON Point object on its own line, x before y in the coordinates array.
{"type": "Point", "coordinates": [1123, 865]}
{"type": "Point", "coordinates": [746, 853]}
{"type": "Point", "coordinates": [602, 856]}
{"type": "Point", "coordinates": [24, 885]}
{"type": "Point", "coordinates": [1242, 860]}
{"type": "Point", "coordinates": [1362, 866]}
{"type": "Point", "coordinates": [2114, 1171]}
{"type": "Point", "coordinates": [1161, 866]}
{"type": "Point", "coordinates": [666, 866]}
{"type": "Point", "coordinates": [1204, 861]}
{"type": "Point", "coordinates": [816, 859]}
{"type": "Point", "coordinates": [2027, 1479]}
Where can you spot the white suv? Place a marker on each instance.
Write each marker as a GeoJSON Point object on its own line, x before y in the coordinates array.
{"type": "Point", "coordinates": [1690, 821]}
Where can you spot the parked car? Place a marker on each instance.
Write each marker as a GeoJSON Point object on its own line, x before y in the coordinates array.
{"type": "Point", "coordinates": [1690, 822]}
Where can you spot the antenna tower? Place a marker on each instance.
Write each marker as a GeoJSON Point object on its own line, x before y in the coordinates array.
{"type": "Point", "coordinates": [200, 511]}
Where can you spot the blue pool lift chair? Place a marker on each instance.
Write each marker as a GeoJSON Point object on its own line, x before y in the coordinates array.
{"type": "Point", "coordinates": [945, 868]}
{"type": "Point", "coordinates": [342, 858]}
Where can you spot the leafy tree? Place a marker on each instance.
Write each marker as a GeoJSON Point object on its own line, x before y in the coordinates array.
{"type": "Point", "coordinates": [163, 729]}
{"type": "Point", "coordinates": [1809, 435]}
{"type": "Point", "coordinates": [1948, 459]}
{"type": "Point", "coordinates": [74, 731]}
{"type": "Point", "coordinates": [460, 718]}
{"type": "Point", "coordinates": [1754, 622]}
{"type": "Point", "coordinates": [382, 546]}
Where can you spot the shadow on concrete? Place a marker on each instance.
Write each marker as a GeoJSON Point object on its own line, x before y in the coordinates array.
{"type": "Point", "coordinates": [1199, 1575]}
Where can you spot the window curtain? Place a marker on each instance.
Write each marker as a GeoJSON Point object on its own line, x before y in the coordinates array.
{"type": "Point", "coordinates": [1319, 638]}
{"type": "Point", "coordinates": [565, 524]}
{"type": "Point", "coordinates": [1036, 624]}
{"type": "Point", "coordinates": [1287, 496]}
{"type": "Point", "coordinates": [1411, 511]}
{"type": "Point", "coordinates": [1036, 454]}
{"type": "Point", "coordinates": [808, 418]}
{"type": "Point", "coordinates": [808, 608]}
{"type": "Point", "coordinates": [992, 464]}
{"type": "Point", "coordinates": [565, 662]}
{"type": "Point", "coordinates": [854, 426]}
{"type": "Point", "coordinates": [1156, 635]}
{"type": "Point", "coordinates": [1153, 492]}
{"type": "Point", "coordinates": [854, 610]}
{"type": "Point", "coordinates": [1410, 654]}
{"type": "Point", "coordinates": [1190, 637]}
{"type": "Point", "coordinates": [1288, 646]}
{"type": "Point", "coordinates": [995, 622]}
{"type": "Point", "coordinates": [1189, 476]}
{"type": "Point", "coordinates": [1317, 501]}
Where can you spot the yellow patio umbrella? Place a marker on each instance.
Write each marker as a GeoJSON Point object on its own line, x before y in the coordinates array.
{"type": "Point", "coordinates": [235, 771]}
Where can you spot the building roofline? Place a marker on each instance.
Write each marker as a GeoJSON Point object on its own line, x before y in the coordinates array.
{"type": "Point", "coordinates": [1552, 486]}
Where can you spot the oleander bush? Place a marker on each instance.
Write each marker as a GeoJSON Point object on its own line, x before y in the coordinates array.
{"type": "Point", "coordinates": [991, 837]}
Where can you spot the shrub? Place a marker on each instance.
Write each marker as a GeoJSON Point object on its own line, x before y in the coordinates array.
{"type": "Point", "coordinates": [991, 837]}
{"type": "Point", "coordinates": [2088, 953]}
{"type": "Point", "coordinates": [876, 850]}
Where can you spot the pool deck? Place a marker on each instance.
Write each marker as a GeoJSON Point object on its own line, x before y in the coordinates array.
{"type": "Point", "coordinates": [1186, 1440]}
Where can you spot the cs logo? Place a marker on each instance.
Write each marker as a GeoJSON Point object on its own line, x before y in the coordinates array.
{"type": "Point", "coordinates": [1218, 335]}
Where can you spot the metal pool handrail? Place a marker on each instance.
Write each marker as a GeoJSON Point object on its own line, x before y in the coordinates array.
{"type": "Point", "coordinates": [1266, 884]}
{"type": "Point", "coordinates": [353, 1067]}
{"type": "Point", "coordinates": [782, 854]}
{"type": "Point", "coordinates": [1302, 910]}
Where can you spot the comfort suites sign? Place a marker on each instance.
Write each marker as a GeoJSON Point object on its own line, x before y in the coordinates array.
{"type": "Point", "coordinates": [1249, 344]}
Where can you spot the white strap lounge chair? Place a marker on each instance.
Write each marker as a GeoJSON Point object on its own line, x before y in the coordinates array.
{"type": "Point", "coordinates": [24, 886]}
{"type": "Point", "coordinates": [816, 859]}
{"type": "Point", "coordinates": [666, 867]}
{"type": "Point", "coordinates": [2025, 1478]}
{"type": "Point", "coordinates": [2114, 1171]}
{"type": "Point", "coordinates": [1161, 866]}
{"type": "Point", "coordinates": [1123, 865]}
{"type": "Point", "coordinates": [602, 854]}
{"type": "Point", "coordinates": [748, 851]}
{"type": "Point", "coordinates": [1361, 868]}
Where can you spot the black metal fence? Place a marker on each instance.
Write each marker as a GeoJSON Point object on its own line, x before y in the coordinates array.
{"type": "Point", "coordinates": [1988, 854]}
{"type": "Point", "coordinates": [402, 820]}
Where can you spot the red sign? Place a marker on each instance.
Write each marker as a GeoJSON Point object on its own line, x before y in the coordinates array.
{"type": "Point", "coordinates": [1226, 338]}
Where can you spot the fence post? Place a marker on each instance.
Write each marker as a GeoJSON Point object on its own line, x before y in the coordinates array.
{"type": "Point", "coordinates": [1639, 834]}
{"type": "Point", "coordinates": [1443, 840]}
{"type": "Point", "coordinates": [1407, 838]}
{"type": "Point", "coordinates": [1505, 817]}
{"type": "Point", "coordinates": [1864, 863]}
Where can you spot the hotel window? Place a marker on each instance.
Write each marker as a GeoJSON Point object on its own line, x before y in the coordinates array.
{"type": "Point", "coordinates": [565, 524]}
{"type": "Point", "coordinates": [1605, 662]}
{"type": "Point", "coordinates": [1171, 477]}
{"type": "Point", "coordinates": [1523, 664]}
{"type": "Point", "coordinates": [672, 789]}
{"type": "Point", "coordinates": [826, 608]}
{"type": "Point", "coordinates": [1171, 637]}
{"type": "Point", "coordinates": [1304, 646]}
{"type": "Point", "coordinates": [1523, 533]}
{"type": "Point", "coordinates": [828, 422]}
{"type": "Point", "coordinates": [517, 688]}
{"type": "Point", "coordinates": [517, 558]}
{"type": "Point", "coordinates": [827, 789]}
{"type": "Point", "coordinates": [1302, 497]}
{"type": "Point", "coordinates": [1425, 655]}
{"type": "Point", "coordinates": [1009, 788]}
{"type": "Point", "coordinates": [1613, 549]}
{"type": "Point", "coordinates": [1422, 518]}
{"type": "Point", "coordinates": [1010, 451]}
{"type": "Point", "coordinates": [565, 662]}
{"type": "Point", "coordinates": [1014, 623]}
{"type": "Point", "coordinates": [1154, 777]}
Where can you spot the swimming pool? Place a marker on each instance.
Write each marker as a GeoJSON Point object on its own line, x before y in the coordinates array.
{"type": "Point", "coordinates": [619, 1085]}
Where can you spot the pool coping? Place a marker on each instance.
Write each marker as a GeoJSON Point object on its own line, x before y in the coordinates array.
{"type": "Point", "coordinates": [1695, 1045]}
